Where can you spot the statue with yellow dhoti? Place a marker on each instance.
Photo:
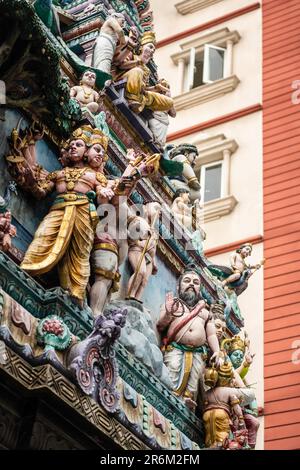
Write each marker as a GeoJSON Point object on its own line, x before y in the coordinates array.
{"type": "Point", "coordinates": [223, 404]}
{"type": "Point", "coordinates": [65, 236]}
{"type": "Point", "coordinates": [138, 92]}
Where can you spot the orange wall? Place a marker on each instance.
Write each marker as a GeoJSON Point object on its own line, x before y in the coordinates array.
{"type": "Point", "coordinates": [281, 120]}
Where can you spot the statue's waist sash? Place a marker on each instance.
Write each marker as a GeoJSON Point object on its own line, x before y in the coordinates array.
{"type": "Point", "coordinates": [77, 199]}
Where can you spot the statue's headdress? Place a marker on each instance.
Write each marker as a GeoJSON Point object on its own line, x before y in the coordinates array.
{"type": "Point", "coordinates": [148, 37]}
{"type": "Point", "coordinates": [225, 374]}
{"type": "Point", "coordinates": [91, 136]}
{"type": "Point", "coordinates": [233, 344]}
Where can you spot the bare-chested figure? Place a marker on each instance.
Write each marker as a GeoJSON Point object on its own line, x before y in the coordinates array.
{"type": "Point", "coordinates": [111, 34]}
{"type": "Point", "coordinates": [142, 254]}
{"type": "Point", "coordinates": [189, 327]}
{"type": "Point", "coordinates": [222, 404]}
{"type": "Point", "coordinates": [85, 94]}
{"type": "Point", "coordinates": [65, 236]}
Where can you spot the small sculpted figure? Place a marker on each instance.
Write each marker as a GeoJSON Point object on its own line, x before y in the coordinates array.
{"type": "Point", "coordinates": [7, 230]}
{"type": "Point", "coordinates": [186, 214]}
{"type": "Point", "coordinates": [138, 92]}
{"type": "Point", "coordinates": [111, 34]}
{"type": "Point", "coordinates": [237, 275]}
{"type": "Point", "coordinates": [111, 243]}
{"type": "Point", "coordinates": [239, 353]}
{"type": "Point", "coordinates": [65, 236]}
{"type": "Point", "coordinates": [159, 122]}
{"type": "Point", "coordinates": [186, 154]}
{"type": "Point", "coordinates": [85, 93]}
{"type": "Point", "coordinates": [142, 254]}
{"type": "Point", "coordinates": [222, 404]}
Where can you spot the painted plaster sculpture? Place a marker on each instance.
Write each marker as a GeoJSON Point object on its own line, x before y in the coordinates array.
{"type": "Point", "coordinates": [237, 275]}
{"type": "Point", "coordinates": [111, 34]}
{"type": "Point", "coordinates": [111, 243]}
{"type": "Point", "coordinates": [159, 122]}
{"type": "Point", "coordinates": [188, 215]}
{"type": "Point", "coordinates": [65, 237]}
{"type": "Point", "coordinates": [138, 92]}
{"type": "Point", "coordinates": [142, 253]}
{"type": "Point", "coordinates": [186, 154]}
{"type": "Point", "coordinates": [7, 229]}
{"type": "Point", "coordinates": [223, 403]}
{"type": "Point", "coordinates": [187, 327]}
{"type": "Point", "coordinates": [85, 93]}
{"type": "Point", "coordinates": [239, 353]}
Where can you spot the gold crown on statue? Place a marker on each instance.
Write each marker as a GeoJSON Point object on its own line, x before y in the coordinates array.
{"type": "Point", "coordinates": [233, 344]}
{"type": "Point", "coordinates": [148, 37]}
{"type": "Point", "coordinates": [211, 377]}
{"type": "Point", "coordinates": [91, 136]}
{"type": "Point", "coordinates": [225, 373]}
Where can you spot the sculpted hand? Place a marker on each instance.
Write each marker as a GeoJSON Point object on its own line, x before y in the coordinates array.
{"type": "Point", "coordinates": [216, 359]}
{"type": "Point", "coordinates": [169, 302]}
{"type": "Point", "coordinates": [249, 358]}
{"type": "Point", "coordinates": [246, 340]}
{"type": "Point", "coordinates": [106, 193]}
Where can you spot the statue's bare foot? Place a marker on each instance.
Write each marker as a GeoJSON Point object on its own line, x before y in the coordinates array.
{"type": "Point", "coordinates": [191, 404]}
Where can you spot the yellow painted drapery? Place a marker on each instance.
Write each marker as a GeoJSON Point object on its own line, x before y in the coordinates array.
{"type": "Point", "coordinates": [137, 80]}
{"type": "Point", "coordinates": [64, 238]}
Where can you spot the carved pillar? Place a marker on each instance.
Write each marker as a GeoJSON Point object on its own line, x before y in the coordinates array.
{"type": "Point", "coordinates": [181, 73]}
{"type": "Point", "coordinates": [226, 173]}
{"type": "Point", "coordinates": [229, 58]}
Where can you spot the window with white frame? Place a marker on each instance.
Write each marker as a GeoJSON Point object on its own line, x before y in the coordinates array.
{"type": "Point", "coordinates": [212, 168]}
{"type": "Point", "coordinates": [211, 181]}
{"type": "Point", "coordinates": [205, 68]}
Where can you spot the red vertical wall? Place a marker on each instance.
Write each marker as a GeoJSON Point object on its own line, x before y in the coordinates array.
{"type": "Point", "coordinates": [281, 132]}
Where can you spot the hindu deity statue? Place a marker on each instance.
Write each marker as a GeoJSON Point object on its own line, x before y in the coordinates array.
{"type": "Point", "coordinates": [187, 155]}
{"type": "Point", "coordinates": [85, 93]}
{"type": "Point", "coordinates": [187, 327]}
{"type": "Point", "coordinates": [159, 121]}
{"type": "Point", "coordinates": [138, 92]}
{"type": "Point", "coordinates": [217, 311]}
{"type": "Point", "coordinates": [111, 35]}
{"type": "Point", "coordinates": [111, 242]}
{"type": "Point", "coordinates": [223, 405]}
{"type": "Point", "coordinates": [7, 230]}
{"type": "Point", "coordinates": [239, 353]}
{"type": "Point", "coordinates": [65, 236]}
{"type": "Point", "coordinates": [237, 275]}
{"type": "Point", "coordinates": [142, 254]}
{"type": "Point", "coordinates": [187, 214]}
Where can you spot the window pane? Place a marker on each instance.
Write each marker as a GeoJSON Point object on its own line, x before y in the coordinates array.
{"type": "Point", "coordinates": [198, 71]}
{"type": "Point", "coordinates": [216, 64]}
{"type": "Point", "coordinates": [212, 185]}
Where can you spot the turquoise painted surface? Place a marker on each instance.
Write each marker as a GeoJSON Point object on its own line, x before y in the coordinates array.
{"type": "Point", "coordinates": [27, 211]}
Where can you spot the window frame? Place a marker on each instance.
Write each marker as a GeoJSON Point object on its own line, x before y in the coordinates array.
{"type": "Point", "coordinates": [206, 62]}
{"type": "Point", "coordinates": [202, 179]}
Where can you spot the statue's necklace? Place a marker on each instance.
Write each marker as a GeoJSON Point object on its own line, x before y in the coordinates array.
{"type": "Point", "coordinates": [72, 175]}
{"type": "Point", "coordinates": [87, 94]}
